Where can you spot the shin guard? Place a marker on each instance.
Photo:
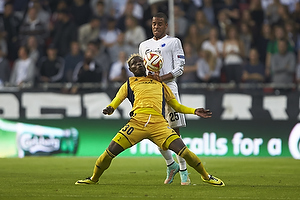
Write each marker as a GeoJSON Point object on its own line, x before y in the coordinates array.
{"type": "Point", "coordinates": [193, 161]}
{"type": "Point", "coordinates": [102, 163]}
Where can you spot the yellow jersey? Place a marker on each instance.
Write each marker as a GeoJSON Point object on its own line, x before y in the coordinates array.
{"type": "Point", "coordinates": [148, 96]}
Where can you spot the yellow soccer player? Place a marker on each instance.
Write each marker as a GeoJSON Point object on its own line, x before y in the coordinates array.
{"type": "Point", "coordinates": [148, 97]}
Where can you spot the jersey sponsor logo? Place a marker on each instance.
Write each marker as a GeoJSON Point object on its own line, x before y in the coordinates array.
{"type": "Point", "coordinates": [35, 143]}
{"type": "Point", "coordinates": [180, 56]}
{"type": "Point", "coordinates": [147, 51]}
{"type": "Point", "coordinates": [148, 82]}
{"type": "Point", "coordinates": [164, 44]}
{"type": "Point", "coordinates": [156, 50]}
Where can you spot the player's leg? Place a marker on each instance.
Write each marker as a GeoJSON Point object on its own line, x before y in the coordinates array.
{"type": "Point", "coordinates": [179, 148]}
{"type": "Point", "coordinates": [125, 138]}
{"type": "Point", "coordinates": [166, 138]}
{"type": "Point", "coordinates": [172, 166]}
{"type": "Point", "coordinates": [177, 120]}
{"type": "Point", "coordinates": [185, 180]}
{"type": "Point", "coordinates": [162, 133]}
{"type": "Point", "coordinates": [167, 156]}
{"type": "Point", "coordinates": [103, 162]}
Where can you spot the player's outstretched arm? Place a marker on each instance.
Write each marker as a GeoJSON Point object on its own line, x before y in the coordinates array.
{"type": "Point", "coordinates": [201, 112]}
{"type": "Point", "coordinates": [112, 106]}
{"type": "Point", "coordinates": [108, 110]}
{"type": "Point", "coordinates": [204, 113]}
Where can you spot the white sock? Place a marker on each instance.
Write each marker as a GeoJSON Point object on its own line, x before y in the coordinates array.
{"type": "Point", "coordinates": [181, 162]}
{"type": "Point", "coordinates": [167, 156]}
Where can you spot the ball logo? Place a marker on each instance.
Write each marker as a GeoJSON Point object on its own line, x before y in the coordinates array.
{"type": "Point", "coordinates": [294, 142]}
{"type": "Point", "coordinates": [153, 61]}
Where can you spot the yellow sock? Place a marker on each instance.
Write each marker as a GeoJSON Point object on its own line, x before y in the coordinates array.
{"type": "Point", "coordinates": [102, 163]}
{"type": "Point", "coordinates": [193, 161]}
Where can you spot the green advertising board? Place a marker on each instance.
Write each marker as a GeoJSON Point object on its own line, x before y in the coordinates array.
{"type": "Point", "coordinates": [83, 137]}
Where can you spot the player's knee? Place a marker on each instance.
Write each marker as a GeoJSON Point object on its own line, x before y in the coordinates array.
{"type": "Point", "coordinates": [115, 148]}
{"type": "Point", "coordinates": [177, 145]}
{"type": "Point", "coordinates": [110, 154]}
{"type": "Point", "coordinates": [119, 143]}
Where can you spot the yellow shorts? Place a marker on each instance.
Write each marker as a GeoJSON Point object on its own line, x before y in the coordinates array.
{"type": "Point", "coordinates": [145, 126]}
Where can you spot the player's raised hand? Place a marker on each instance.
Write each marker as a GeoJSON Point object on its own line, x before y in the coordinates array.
{"type": "Point", "coordinates": [201, 112]}
{"type": "Point", "coordinates": [108, 110]}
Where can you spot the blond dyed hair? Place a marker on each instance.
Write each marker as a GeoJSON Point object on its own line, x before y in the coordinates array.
{"type": "Point", "coordinates": [132, 56]}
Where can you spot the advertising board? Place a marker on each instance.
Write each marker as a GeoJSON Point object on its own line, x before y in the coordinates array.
{"type": "Point", "coordinates": [205, 137]}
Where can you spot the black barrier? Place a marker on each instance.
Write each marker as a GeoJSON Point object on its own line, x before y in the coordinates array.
{"type": "Point", "coordinates": [227, 102]}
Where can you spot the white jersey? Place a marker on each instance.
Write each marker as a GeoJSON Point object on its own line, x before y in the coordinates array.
{"type": "Point", "coordinates": [171, 50]}
{"type": "Point", "coordinates": [173, 61]}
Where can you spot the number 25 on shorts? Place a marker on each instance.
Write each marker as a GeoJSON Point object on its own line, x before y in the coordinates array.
{"type": "Point", "coordinates": [174, 116]}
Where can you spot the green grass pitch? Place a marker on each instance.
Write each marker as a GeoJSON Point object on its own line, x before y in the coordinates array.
{"type": "Point", "coordinates": [142, 178]}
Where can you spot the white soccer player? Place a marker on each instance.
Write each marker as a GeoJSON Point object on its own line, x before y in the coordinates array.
{"type": "Point", "coordinates": [173, 62]}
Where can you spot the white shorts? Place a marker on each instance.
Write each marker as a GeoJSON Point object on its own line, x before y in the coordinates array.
{"type": "Point", "coordinates": [175, 119]}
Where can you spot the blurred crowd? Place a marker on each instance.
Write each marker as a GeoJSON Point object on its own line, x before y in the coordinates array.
{"type": "Point", "coordinates": [77, 41]}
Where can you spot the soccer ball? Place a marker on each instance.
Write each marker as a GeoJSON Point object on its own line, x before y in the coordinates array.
{"type": "Point", "coordinates": [153, 61]}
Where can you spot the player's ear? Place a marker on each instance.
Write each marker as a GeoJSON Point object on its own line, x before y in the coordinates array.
{"type": "Point", "coordinates": [167, 24]}
{"type": "Point", "coordinates": [130, 69]}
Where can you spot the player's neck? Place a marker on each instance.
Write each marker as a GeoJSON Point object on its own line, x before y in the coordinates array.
{"type": "Point", "coordinates": [140, 75]}
{"type": "Point", "coordinates": [158, 38]}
